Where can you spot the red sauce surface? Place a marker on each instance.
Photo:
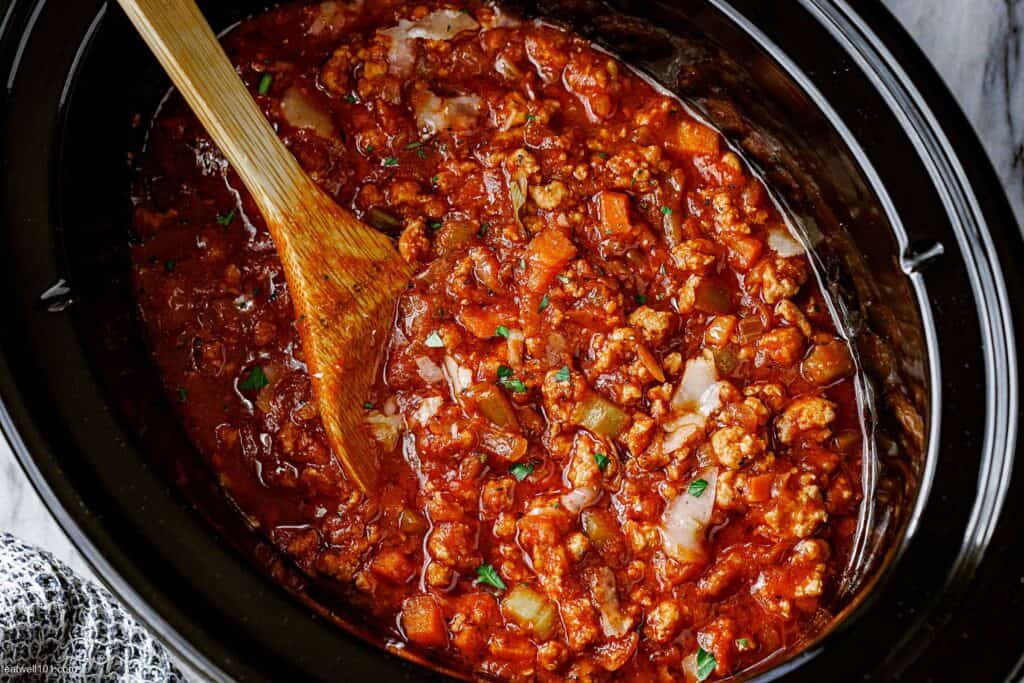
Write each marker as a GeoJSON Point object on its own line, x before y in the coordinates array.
{"type": "Point", "coordinates": [619, 429]}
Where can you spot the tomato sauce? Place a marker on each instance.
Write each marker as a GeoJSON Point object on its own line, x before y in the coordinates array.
{"type": "Point", "coordinates": [619, 428]}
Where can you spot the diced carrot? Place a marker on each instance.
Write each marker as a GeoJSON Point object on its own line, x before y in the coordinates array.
{"type": "Point", "coordinates": [613, 212]}
{"type": "Point", "coordinates": [696, 138]}
{"type": "Point", "coordinates": [546, 256]}
{"type": "Point", "coordinates": [481, 322]}
{"type": "Point", "coordinates": [423, 623]}
{"type": "Point", "coordinates": [759, 488]}
{"type": "Point", "coordinates": [743, 251]}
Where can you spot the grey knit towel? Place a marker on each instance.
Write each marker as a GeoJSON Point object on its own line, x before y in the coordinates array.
{"type": "Point", "coordinates": [56, 626]}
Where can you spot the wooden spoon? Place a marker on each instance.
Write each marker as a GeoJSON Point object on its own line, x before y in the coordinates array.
{"type": "Point", "coordinates": [343, 276]}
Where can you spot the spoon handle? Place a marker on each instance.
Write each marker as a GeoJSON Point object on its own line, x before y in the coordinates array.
{"type": "Point", "coordinates": [179, 36]}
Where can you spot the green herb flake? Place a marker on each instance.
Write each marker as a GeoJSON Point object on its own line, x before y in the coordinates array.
{"type": "Point", "coordinates": [667, 211]}
{"type": "Point", "coordinates": [543, 303]}
{"type": "Point", "coordinates": [513, 384]}
{"type": "Point", "coordinates": [697, 487]}
{"type": "Point", "coordinates": [435, 225]}
{"type": "Point", "coordinates": [501, 331]}
{"type": "Point", "coordinates": [489, 575]}
{"type": "Point", "coordinates": [414, 145]}
{"type": "Point", "coordinates": [705, 663]}
{"type": "Point", "coordinates": [256, 380]}
{"type": "Point", "coordinates": [484, 227]}
{"type": "Point", "coordinates": [662, 269]}
{"type": "Point", "coordinates": [264, 86]}
{"type": "Point", "coordinates": [170, 265]}
{"type": "Point", "coordinates": [351, 99]}
{"type": "Point", "coordinates": [434, 341]}
{"type": "Point", "coordinates": [505, 372]}
{"type": "Point", "coordinates": [226, 218]}
{"type": "Point", "coordinates": [742, 643]}
{"type": "Point", "coordinates": [602, 155]}
{"type": "Point", "coordinates": [434, 179]}
{"type": "Point", "coordinates": [182, 394]}
{"type": "Point", "coordinates": [602, 461]}
{"type": "Point", "coordinates": [391, 161]}
{"type": "Point", "coordinates": [421, 153]}
{"type": "Point", "coordinates": [521, 470]}
{"type": "Point", "coordinates": [368, 405]}
{"type": "Point", "coordinates": [564, 374]}
{"type": "Point", "coordinates": [369, 148]}
{"type": "Point", "coordinates": [531, 118]}
{"type": "Point", "coordinates": [640, 299]}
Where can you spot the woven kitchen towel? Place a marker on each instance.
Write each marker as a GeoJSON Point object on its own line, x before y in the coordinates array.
{"type": "Point", "coordinates": [56, 626]}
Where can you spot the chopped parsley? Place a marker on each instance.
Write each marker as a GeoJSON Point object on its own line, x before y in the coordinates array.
{"type": "Point", "coordinates": [368, 405]}
{"type": "Point", "coordinates": [182, 394]}
{"type": "Point", "coordinates": [505, 372]}
{"type": "Point", "coordinates": [351, 99]}
{"type": "Point", "coordinates": [543, 304]}
{"type": "Point", "coordinates": [521, 470]}
{"type": "Point", "coordinates": [705, 663]}
{"type": "Point", "coordinates": [434, 341]}
{"type": "Point", "coordinates": [666, 210]}
{"type": "Point", "coordinates": [501, 331]}
{"type": "Point", "coordinates": [264, 86]}
{"type": "Point", "coordinates": [563, 375]}
{"type": "Point", "coordinates": [488, 574]}
{"type": "Point", "coordinates": [742, 643]}
{"type": "Point", "coordinates": [697, 487]}
{"type": "Point", "coordinates": [603, 155]}
{"type": "Point", "coordinates": [421, 153]}
{"type": "Point", "coordinates": [661, 269]}
{"type": "Point", "coordinates": [484, 227]}
{"type": "Point", "coordinates": [640, 299]}
{"type": "Point", "coordinates": [414, 145]}
{"type": "Point", "coordinates": [531, 117]}
{"type": "Point", "coordinates": [226, 218]}
{"type": "Point", "coordinates": [391, 161]}
{"type": "Point", "coordinates": [256, 380]}
{"type": "Point", "coordinates": [170, 265]}
{"type": "Point", "coordinates": [602, 461]}
{"type": "Point", "coordinates": [513, 384]}
{"type": "Point", "coordinates": [436, 225]}
{"type": "Point", "coordinates": [434, 179]}
{"type": "Point", "coordinates": [369, 148]}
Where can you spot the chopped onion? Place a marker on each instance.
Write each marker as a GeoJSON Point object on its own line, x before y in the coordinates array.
{"type": "Point", "coordinates": [427, 409]}
{"type": "Point", "coordinates": [602, 587]}
{"type": "Point", "coordinates": [580, 498]}
{"type": "Point", "coordinates": [459, 378]}
{"type": "Point", "coordinates": [385, 428]}
{"type": "Point", "coordinates": [650, 362]}
{"type": "Point", "coordinates": [301, 112]}
{"type": "Point", "coordinates": [516, 339]}
{"type": "Point", "coordinates": [442, 24]}
{"type": "Point", "coordinates": [428, 370]}
{"type": "Point", "coordinates": [507, 69]}
{"type": "Point", "coordinates": [783, 243]}
{"type": "Point", "coordinates": [699, 376]}
{"type": "Point", "coordinates": [683, 432]}
{"type": "Point", "coordinates": [686, 517]}
{"type": "Point", "coordinates": [435, 114]}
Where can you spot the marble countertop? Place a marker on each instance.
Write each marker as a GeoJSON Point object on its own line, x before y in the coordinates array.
{"type": "Point", "coordinates": [985, 73]}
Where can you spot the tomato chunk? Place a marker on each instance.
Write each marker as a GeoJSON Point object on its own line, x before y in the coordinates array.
{"type": "Point", "coordinates": [423, 623]}
{"type": "Point", "coordinates": [613, 212]}
{"type": "Point", "coordinates": [546, 256]}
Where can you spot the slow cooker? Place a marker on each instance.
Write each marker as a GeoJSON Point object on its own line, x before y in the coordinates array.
{"type": "Point", "coordinates": [832, 103]}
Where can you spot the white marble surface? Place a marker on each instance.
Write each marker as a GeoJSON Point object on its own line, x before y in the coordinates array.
{"type": "Point", "coordinates": [986, 72]}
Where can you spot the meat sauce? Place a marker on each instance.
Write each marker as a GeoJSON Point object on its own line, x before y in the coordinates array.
{"type": "Point", "coordinates": [618, 427]}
